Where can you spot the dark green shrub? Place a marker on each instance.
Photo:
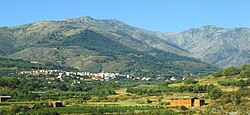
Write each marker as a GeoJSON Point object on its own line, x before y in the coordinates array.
{"type": "Point", "coordinates": [183, 108]}
{"type": "Point", "coordinates": [231, 71]}
{"type": "Point", "coordinates": [190, 81]}
{"type": "Point", "coordinates": [149, 101]}
{"type": "Point", "coordinates": [215, 93]}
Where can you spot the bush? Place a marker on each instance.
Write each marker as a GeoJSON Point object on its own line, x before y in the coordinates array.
{"type": "Point", "coordinates": [190, 81]}
{"type": "Point", "coordinates": [215, 93]}
{"type": "Point", "coordinates": [245, 67]}
{"type": "Point", "coordinates": [4, 111]}
{"type": "Point", "coordinates": [183, 108]}
{"type": "Point", "coordinates": [160, 99]}
{"type": "Point", "coordinates": [167, 103]}
{"type": "Point", "coordinates": [245, 73]}
{"type": "Point", "coordinates": [218, 74]}
{"type": "Point", "coordinates": [238, 83]}
{"type": "Point", "coordinates": [149, 101]}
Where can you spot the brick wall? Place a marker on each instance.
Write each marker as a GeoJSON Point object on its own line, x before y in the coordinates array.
{"type": "Point", "coordinates": [180, 102]}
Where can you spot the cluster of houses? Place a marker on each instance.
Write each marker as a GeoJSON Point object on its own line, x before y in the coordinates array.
{"type": "Point", "coordinates": [87, 76]}
{"type": "Point", "coordinates": [82, 76]}
{"type": "Point", "coordinates": [38, 72]}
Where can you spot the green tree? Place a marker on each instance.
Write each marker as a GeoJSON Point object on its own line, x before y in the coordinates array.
{"type": "Point", "coordinates": [245, 67]}
{"type": "Point", "coordinates": [62, 87]}
{"type": "Point", "coordinates": [4, 111]}
{"type": "Point", "coordinates": [183, 108]}
{"type": "Point", "coordinates": [245, 73]}
{"type": "Point", "coordinates": [197, 88]}
{"type": "Point", "coordinates": [42, 105]}
{"type": "Point", "coordinates": [190, 81]}
{"type": "Point", "coordinates": [215, 93]}
{"type": "Point", "coordinates": [231, 71]}
{"type": "Point", "coordinates": [218, 74]}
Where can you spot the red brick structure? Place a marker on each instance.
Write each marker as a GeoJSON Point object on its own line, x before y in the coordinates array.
{"type": "Point", "coordinates": [199, 102]}
{"type": "Point", "coordinates": [56, 104]}
{"type": "Point", "coordinates": [189, 102]}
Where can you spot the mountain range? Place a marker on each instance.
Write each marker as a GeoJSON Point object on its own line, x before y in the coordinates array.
{"type": "Point", "coordinates": [221, 47]}
{"type": "Point", "coordinates": [112, 46]}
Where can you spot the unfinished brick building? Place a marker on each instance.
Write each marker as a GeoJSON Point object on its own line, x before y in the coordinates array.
{"type": "Point", "coordinates": [189, 102]}
{"type": "Point", "coordinates": [56, 104]}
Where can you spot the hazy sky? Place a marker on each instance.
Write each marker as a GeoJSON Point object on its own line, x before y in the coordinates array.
{"type": "Point", "coordinates": [158, 15]}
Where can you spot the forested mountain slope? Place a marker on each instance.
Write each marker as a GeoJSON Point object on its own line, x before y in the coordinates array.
{"type": "Point", "coordinates": [99, 46]}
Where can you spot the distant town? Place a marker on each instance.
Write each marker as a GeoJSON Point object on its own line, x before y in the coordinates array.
{"type": "Point", "coordinates": [52, 75]}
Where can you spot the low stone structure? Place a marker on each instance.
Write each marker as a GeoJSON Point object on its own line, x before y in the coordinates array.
{"type": "Point", "coordinates": [4, 98]}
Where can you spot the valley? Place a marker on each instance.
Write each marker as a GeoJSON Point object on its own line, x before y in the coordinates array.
{"type": "Point", "coordinates": [104, 66]}
{"type": "Point", "coordinates": [31, 91]}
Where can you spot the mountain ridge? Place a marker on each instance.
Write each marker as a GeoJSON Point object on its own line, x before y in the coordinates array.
{"type": "Point", "coordinates": [222, 47]}
{"type": "Point", "coordinates": [50, 38]}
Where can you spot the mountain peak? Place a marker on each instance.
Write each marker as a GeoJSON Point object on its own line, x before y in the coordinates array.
{"type": "Point", "coordinates": [85, 17]}
{"type": "Point", "coordinates": [80, 19]}
{"type": "Point", "coordinates": [209, 27]}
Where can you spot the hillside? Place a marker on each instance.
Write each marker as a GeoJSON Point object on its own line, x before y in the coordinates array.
{"type": "Point", "coordinates": [224, 92]}
{"type": "Point", "coordinates": [9, 67]}
{"type": "Point", "coordinates": [222, 47]}
{"type": "Point", "coordinates": [99, 45]}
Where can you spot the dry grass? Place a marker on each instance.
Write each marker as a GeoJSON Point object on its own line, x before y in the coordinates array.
{"type": "Point", "coordinates": [177, 84]}
{"type": "Point", "coordinates": [125, 99]}
{"type": "Point", "coordinates": [122, 98]}
{"type": "Point", "coordinates": [212, 80]}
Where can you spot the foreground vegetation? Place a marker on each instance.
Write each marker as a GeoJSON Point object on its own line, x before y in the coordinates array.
{"type": "Point", "coordinates": [226, 91]}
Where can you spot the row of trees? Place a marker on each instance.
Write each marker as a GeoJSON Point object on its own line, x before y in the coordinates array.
{"type": "Point", "coordinates": [23, 87]}
{"type": "Point", "coordinates": [213, 92]}
{"type": "Point", "coordinates": [157, 90]}
{"type": "Point", "coordinates": [243, 71]}
{"type": "Point", "coordinates": [238, 83]}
